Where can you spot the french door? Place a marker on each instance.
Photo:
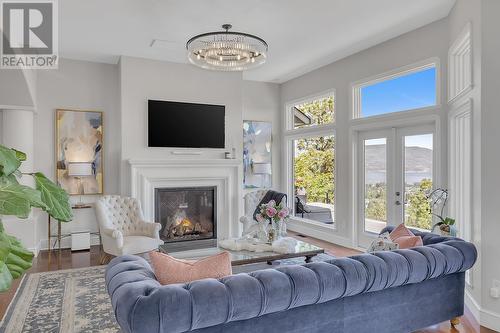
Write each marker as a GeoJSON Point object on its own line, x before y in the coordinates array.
{"type": "Point", "coordinates": [395, 174]}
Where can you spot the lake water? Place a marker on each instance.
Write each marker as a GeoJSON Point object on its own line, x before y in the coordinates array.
{"type": "Point", "coordinates": [411, 177]}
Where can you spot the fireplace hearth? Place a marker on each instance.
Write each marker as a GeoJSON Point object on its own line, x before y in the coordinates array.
{"type": "Point", "coordinates": [187, 216]}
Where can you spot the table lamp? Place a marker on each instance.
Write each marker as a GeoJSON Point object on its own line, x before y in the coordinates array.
{"type": "Point", "coordinates": [79, 170]}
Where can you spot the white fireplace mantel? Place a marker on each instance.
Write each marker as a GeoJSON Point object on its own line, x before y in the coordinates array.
{"type": "Point", "coordinates": [225, 174]}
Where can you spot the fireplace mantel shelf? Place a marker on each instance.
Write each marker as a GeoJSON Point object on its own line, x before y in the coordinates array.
{"type": "Point", "coordinates": [190, 161]}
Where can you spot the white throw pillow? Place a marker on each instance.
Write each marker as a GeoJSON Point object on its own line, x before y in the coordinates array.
{"type": "Point", "coordinates": [383, 243]}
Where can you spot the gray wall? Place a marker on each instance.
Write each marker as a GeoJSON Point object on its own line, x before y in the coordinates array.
{"type": "Point", "coordinates": [490, 137]}
{"type": "Point", "coordinates": [142, 79]}
{"type": "Point", "coordinates": [78, 85]}
{"type": "Point", "coordinates": [85, 85]}
{"type": "Point", "coordinates": [261, 101]}
{"type": "Point", "coordinates": [470, 11]}
{"type": "Point", "coordinates": [17, 88]}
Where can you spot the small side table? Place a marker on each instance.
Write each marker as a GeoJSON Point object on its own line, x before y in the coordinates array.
{"type": "Point", "coordinates": [59, 235]}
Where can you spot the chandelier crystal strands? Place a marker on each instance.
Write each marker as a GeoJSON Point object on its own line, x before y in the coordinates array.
{"type": "Point", "coordinates": [227, 50]}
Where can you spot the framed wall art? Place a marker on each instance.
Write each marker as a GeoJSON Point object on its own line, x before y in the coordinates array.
{"type": "Point", "coordinates": [79, 151]}
{"type": "Point", "coordinates": [257, 166]}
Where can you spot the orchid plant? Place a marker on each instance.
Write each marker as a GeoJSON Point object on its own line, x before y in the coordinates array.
{"type": "Point", "coordinates": [437, 202]}
{"type": "Point", "coordinates": [273, 212]}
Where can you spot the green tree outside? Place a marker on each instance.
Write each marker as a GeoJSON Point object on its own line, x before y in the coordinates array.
{"type": "Point", "coordinates": [376, 202]}
{"type": "Point", "coordinates": [418, 210]}
{"type": "Point", "coordinates": [315, 158]}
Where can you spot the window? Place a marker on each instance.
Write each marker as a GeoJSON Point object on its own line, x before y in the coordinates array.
{"type": "Point", "coordinates": [310, 140]}
{"type": "Point", "coordinates": [375, 184]}
{"type": "Point", "coordinates": [313, 169]}
{"type": "Point", "coordinates": [317, 112]}
{"type": "Point", "coordinates": [409, 90]}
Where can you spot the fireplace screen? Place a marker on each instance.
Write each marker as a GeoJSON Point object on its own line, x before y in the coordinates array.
{"type": "Point", "coordinates": [186, 214]}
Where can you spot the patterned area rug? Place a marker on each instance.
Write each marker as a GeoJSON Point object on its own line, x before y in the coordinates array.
{"type": "Point", "coordinates": [75, 300]}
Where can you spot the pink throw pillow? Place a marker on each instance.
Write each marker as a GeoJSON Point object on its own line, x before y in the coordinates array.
{"type": "Point", "coordinates": [170, 270]}
{"type": "Point", "coordinates": [405, 238]}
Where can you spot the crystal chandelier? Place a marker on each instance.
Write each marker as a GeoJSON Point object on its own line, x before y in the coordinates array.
{"type": "Point", "coordinates": [226, 50]}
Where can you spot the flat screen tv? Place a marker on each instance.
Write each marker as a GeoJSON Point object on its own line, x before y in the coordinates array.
{"type": "Point", "coordinates": [185, 125]}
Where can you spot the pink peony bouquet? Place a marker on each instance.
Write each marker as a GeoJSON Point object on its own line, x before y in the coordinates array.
{"type": "Point", "coordinates": [273, 212]}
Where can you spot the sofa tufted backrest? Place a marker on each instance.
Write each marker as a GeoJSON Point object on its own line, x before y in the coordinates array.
{"type": "Point", "coordinates": [120, 213]}
{"type": "Point", "coordinates": [139, 300]}
{"type": "Point", "coordinates": [252, 199]}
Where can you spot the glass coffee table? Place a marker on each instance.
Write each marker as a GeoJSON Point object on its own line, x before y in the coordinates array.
{"type": "Point", "coordinates": [302, 249]}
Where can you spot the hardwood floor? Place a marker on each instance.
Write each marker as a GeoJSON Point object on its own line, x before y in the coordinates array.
{"type": "Point", "coordinates": [66, 259]}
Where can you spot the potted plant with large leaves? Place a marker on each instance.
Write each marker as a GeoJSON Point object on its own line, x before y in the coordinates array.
{"type": "Point", "coordinates": [18, 200]}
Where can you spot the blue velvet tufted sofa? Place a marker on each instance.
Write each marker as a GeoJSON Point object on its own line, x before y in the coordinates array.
{"type": "Point", "coordinates": [397, 291]}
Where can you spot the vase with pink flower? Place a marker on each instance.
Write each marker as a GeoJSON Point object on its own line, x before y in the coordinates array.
{"type": "Point", "coordinates": [272, 218]}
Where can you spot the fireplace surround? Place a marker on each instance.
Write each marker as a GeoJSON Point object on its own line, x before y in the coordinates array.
{"type": "Point", "coordinates": [225, 175]}
{"type": "Point", "coordinates": [188, 216]}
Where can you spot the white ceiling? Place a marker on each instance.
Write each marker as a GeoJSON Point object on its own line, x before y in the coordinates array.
{"type": "Point", "coordinates": [302, 34]}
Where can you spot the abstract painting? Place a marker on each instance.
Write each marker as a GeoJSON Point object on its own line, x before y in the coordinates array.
{"type": "Point", "coordinates": [79, 140]}
{"type": "Point", "coordinates": [257, 167]}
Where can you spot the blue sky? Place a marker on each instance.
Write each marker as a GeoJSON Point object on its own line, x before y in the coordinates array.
{"type": "Point", "coordinates": [412, 91]}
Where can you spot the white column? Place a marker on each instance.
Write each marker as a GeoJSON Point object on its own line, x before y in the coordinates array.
{"type": "Point", "coordinates": [17, 133]}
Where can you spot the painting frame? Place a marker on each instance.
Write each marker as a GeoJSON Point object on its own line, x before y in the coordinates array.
{"type": "Point", "coordinates": [257, 152]}
{"type": "Point", "coordinates": [62, 179]}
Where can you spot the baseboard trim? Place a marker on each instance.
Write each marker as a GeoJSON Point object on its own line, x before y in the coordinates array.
{"type": "Point", "coordinates": [490, 320]}
{"type": "Point", "coordinates": [36, 249]}
{"type": "Point", "coordinates": [484, 317]}
{"type": "Point", "coordinates": [325, 235]}
{"type": "Point", "coordinates": [472, 305]}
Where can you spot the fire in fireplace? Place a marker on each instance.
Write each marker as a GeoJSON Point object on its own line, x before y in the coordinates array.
{"type": "Point", "coordinates": [187, 214]}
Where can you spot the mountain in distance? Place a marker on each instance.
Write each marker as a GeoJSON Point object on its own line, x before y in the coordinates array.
{"type": "Point", "coordinates": [418, 164]}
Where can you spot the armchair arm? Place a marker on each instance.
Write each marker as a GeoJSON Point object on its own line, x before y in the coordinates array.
{"type": "Point", "coordinates": [150, 229]}
{"type": "Point", "coordinates": [248, 222]}
{"type": "Point", "coordinates": [115, 235]}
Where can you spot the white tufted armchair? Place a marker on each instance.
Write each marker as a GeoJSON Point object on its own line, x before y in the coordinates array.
{"type": "Point", "coordinates": [251, 200]}
{"type": "Point", "coordinates": [122, 226]}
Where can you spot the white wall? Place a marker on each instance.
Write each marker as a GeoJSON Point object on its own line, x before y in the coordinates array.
{"type": "Point", "coordinates": [463, 12]}
{"type": "Point", "coordinates": [490, 137]}
{"type": "Point", "coordinates": [409, 48]}
{"type": "Point", "coordinates": [78, 85]}
{"type": "Point", "coordinates": [143, 79]}
{"type": "Point", "coordinates": [261, 102]}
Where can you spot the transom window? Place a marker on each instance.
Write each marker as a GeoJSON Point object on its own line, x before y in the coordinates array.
{"type": "Point", "coordinates": [402, 91]}
{"type": "Point", "coordinates": [319, 111]}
